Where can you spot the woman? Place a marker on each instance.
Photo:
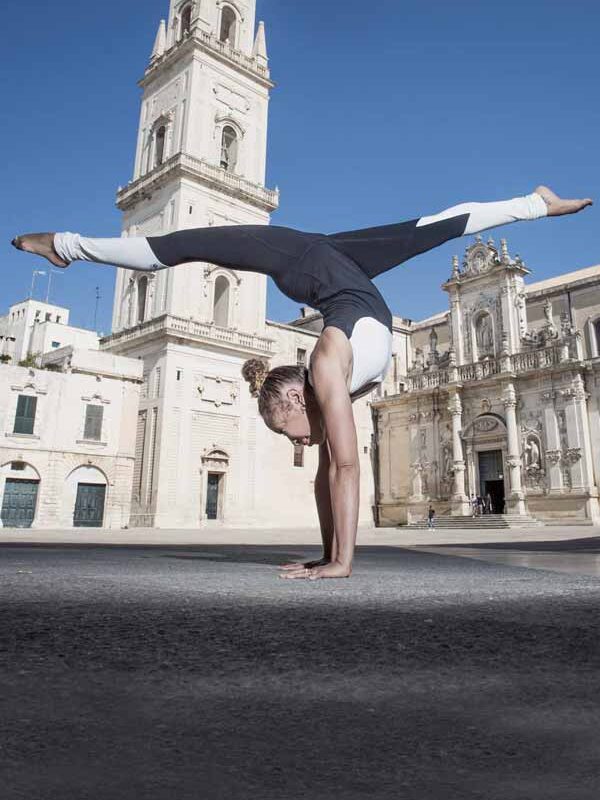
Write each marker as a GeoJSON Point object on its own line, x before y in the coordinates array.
{"type": "Point", "coordinates": [333, 274]}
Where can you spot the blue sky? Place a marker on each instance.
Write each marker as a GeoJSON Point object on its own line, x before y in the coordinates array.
{"type": "Point", "coordinates": [382, 112]}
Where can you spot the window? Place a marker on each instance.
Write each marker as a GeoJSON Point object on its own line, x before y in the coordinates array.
{"type": "Point", "coordinates": [597, 334]}
{"type": "Point", "coordinates": [93, 423]}
{"type": "Point", "coordinates": [142, 288]}
{"type": "Point", "coordinates": [58, 318]}
{"type": "Point", "coordinates": [25, 416]}
{"type": "Point", "coordinates": [301, 357]}
{"type": "Point", "coordinates": [229, 149]}
{"type": "Point", "coordinates": [178, 374]}
{"type": "Point", "coordinates": [221, 302]}
{"type": "Point", "coordinates": [298, 455]}
{"type": "Point", "coordinates": [159, 146]}
{"type": "Point", "coordinates": [55, 345]}
{"type": "Point", "coordinates": [48, 316]}
{"type": "Point", "coordinates": [228, 20]}
{"type": "Point", "coordinates": [186, 20]}
{"type": "Point", "coordinates": [17, 466]}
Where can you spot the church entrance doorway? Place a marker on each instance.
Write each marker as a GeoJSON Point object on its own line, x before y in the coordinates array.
{"type": "Point", "coordinates": [491, 478]}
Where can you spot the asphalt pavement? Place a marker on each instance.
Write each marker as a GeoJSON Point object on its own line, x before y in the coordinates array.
{"type": "Point", "coordinates": [193, 672]}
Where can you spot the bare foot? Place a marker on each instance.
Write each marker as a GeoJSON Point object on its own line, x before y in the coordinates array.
{"type": "Point", "coordinates": [41, 244]}
{"type": "Point", "coordinates": [557, 206]}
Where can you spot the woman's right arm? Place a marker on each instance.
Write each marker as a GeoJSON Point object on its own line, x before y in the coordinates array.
{"type": "Point", "coordinates": [323, 500]}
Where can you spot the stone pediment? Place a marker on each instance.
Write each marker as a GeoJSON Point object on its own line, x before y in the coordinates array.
{"type": "Point", "coordinates": [479, 258]}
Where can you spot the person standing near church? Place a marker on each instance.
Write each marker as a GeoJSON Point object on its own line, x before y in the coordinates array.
{"type": "Point", "coordinates": [431, 517]}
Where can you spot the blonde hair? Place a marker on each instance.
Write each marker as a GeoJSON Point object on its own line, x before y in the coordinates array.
{"type": "Point", "coordinates": [269, 386]}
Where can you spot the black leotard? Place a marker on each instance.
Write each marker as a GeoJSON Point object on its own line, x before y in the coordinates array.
{"type": "Point", "coordinates": [331, 273]}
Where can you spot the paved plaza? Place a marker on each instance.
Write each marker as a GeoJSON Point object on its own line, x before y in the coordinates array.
{"type": "Point", "coordinates": [443, 669]}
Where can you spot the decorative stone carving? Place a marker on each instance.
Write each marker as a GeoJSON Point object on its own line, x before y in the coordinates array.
{"type": "Point", "coordinates": [553, 456]}
{"type": "Point", "coordinates": [572, 455]}
{"type": "Point", "coordinates": [485, 425]}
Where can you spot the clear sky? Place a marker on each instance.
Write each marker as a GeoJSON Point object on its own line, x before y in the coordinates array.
{"type": "Point", "coordinates": [383, 111]}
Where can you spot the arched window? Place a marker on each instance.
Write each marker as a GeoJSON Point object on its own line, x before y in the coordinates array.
{"type": "Point", "coordinates": [228, 23]}
{"type": "Point", "coordinates": [186, 20]}
{"type": "Point", "coordinates": [159, 146]}
{"type": "Point", "coordinates": [229, 149]}
{"type": "Point", "coordinates": [221, 302]}
{"type": "Point", "coordinates": [142, 295]}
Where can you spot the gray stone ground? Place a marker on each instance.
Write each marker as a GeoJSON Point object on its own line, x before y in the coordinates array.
{"type": "Point", "coordinates": [191, 671]}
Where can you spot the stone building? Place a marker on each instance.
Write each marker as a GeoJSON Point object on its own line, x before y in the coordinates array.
{"type": "Point", "coordinates": [500, 397]}
{"type": "Point", "coordinates": [33, 327]}
{"type": "Point", "coordinates": [202, 454]}
{"type": "Point", "coordinates": [67, 440]}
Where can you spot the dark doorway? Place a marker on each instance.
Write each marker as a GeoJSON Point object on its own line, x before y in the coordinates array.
{"type": "Point", "coordinates": [89, 506]}
{"type": "Point", "coordinates": [18, 503]}
{"type": "Point", "coordinates": [213, 489]}
{"type": "Point", "coordinates": [495, 489]}
{"type": "Point", "coordinates": [491, 478]}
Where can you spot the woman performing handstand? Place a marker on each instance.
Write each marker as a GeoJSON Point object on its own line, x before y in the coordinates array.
{"type": "Point", "coordinates": [332, 273]}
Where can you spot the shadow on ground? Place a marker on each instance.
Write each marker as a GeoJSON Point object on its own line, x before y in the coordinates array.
{"type": "Point", "coordinates": [194, 673]}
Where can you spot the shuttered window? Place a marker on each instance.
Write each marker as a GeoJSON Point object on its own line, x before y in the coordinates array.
{"type": "Point", "coordinates": [25, 416]}
{"type": "Point", "coordinates": [93, 422]}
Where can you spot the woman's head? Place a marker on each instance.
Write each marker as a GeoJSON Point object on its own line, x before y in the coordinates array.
{"type": "Point", "coordinates": [285, 401]}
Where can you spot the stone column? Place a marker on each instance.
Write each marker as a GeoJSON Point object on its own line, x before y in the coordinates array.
{"type": "Point", "coordinates": [457, 328]}
{"type": "Point", "coordinates": [553, 448]}
{"type": "Point", "coordinates": [471, 481]}
{"type": "Point", "coordinates": [579, 451]}
{"type": "Point", "coordinates": [516, 498]}
{"type": "Point", "coordinates": [593, 341]}
{"type": "Point", "coordinates": [460, 502]}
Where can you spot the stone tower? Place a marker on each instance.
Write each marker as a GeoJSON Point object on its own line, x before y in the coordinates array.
{"type": "Point", "coordinates": [200, 161]}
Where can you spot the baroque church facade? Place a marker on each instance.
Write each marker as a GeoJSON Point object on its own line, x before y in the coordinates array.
{"type": "Point", "coordinates": [202, 455]}
{"type": "Point", "coordinates": [497, 397]}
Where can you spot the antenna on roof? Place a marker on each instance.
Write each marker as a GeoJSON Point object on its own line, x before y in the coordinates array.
{"type": "Point", "coordinates": [34, 274]}
{"type": "Point", "coordinates": [96, 307]}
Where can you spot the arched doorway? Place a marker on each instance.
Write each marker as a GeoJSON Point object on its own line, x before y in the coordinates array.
{"type": "Point", "coordinates": [19, 487]}
{"type": "Point", "coordinates": [85, 496]}
{"type": "Point", "coordinates": [486, 445]}
{"type": "Point", "coordinates": [215, 464]}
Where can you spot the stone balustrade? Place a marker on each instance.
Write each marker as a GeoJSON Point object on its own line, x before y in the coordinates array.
{"type": "Point", "coordinates": [184, 165]}
{"type": "Point", "coordinates": [214, 45]}
{"type": "Point", "coordinates": [201, 331]}
{"type": "Point", "coordinates": [224, 49]}
{"type": "Point", "coordinates": [517, 364]}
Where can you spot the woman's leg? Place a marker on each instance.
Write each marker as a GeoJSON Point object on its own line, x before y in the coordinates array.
{"type": "Point", "coordinates": [260, 248]}
{"type": "Point", "coordinates": [377, 250]}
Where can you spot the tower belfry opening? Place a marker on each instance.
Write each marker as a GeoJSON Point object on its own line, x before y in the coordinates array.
{"type": "Point", "coordinates": [228, 26]}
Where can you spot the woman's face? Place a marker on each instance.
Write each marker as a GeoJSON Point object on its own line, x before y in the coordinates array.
{"type": "Point", "coordinates": [301, 420]}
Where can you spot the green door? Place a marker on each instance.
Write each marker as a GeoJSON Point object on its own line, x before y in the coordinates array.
{"type": "Point", "coordinates": [18, 503]}
{"type": "Point", "coordinates": [212, 495]}
{"type": "Point", "coordinates": [89, 506]}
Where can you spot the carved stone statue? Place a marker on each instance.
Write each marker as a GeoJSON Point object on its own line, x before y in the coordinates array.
{"type": "Point", "coordinates": [484, 334]}
{"type": "Point", "coordinates": [532, 454]}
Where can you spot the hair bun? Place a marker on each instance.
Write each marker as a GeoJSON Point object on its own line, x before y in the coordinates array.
{"type": "Point", "coordinates": [255, 370]}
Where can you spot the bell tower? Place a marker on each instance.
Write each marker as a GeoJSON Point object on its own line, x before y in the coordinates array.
{"type": "Point", "coordinates": [200, 161]}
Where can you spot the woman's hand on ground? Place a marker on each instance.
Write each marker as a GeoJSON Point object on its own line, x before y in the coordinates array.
{"type": "Point", "coordinates": [332, 570]}
{"type": "Point", "coordinates": [307, 565]}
